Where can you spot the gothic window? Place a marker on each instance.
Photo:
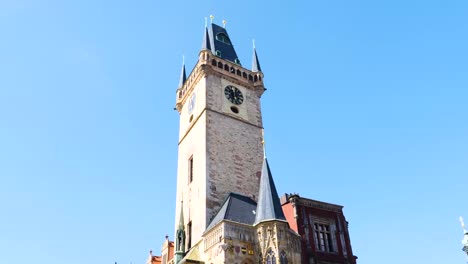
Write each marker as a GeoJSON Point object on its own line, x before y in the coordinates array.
{"type": "Point", "coordinates": [323, 237]}
{"type": "Point", "coordinates": [270, 257]}
{"type": "Point", "coordinates": [223, 38]}
{"type": "Point", "coordinates": [283, 258]}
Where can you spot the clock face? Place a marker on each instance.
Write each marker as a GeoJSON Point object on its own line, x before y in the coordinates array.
{"type": "Point", "coordinates": [191, 103]}
{"type": "Point", "coordinates": [233, 94]}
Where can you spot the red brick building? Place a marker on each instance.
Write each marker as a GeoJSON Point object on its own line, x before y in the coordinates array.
{"type": "Point", "coordinates": [322, 227]}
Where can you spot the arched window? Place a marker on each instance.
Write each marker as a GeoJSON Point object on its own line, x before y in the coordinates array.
{"type": "Point", "coordinates": [283, 258]}
{"type": "Point", "coordinates": [223, 38]}
{"type": "Point", "coordinates": [213, 62]}
{"type": "Point", "coordinates": [270, 257]}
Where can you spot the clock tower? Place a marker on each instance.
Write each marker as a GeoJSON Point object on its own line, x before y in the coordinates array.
{"type": "Point", "coordinates": [220, 136]}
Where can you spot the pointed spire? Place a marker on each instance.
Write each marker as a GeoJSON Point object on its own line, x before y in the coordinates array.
{"type": "Point", "coordinates": [206, 40]}
{"type": "Point", "coordinates": [180, 237]}
{"type": "Point", "coordinates": [255, 62]}
{"type": "Point", "coordinates": [183, 75]}
{"type": "Point", "coordinates": [269, 206]}
{"type": "Point", "coordinates": [181, 218]}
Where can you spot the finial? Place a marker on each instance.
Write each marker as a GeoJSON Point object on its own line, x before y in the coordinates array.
{"type": "Point", "coordinates": [211, 18]}
{"type": "Point", "coordinates": [183, 59]}
{"type": "Point", "coordinates": [151, 252]}
{"type": "Point", "coordinates": [167, 237]}
{"type": "Point", "coordinates": [253, 43]}
{"type": "Point", "coordinates": [224, 23]}
{"type": "Point", "coordinates": [206, 22]}
{"type": "Point", "coordinates": [463, 224]}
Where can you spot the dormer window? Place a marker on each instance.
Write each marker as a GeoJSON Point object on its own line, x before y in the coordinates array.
{"type": "Point", "coordinates": [237, 61]}
{"type": "Point", "coordinates": [223, 38]}
{"type": "Point", "coordinates": [218, 53]}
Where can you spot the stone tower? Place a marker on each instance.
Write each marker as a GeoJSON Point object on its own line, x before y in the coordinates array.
{"type": "Point", "coordinates": [220, 136]}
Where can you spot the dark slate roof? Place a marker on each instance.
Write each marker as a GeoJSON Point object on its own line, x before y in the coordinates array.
{"type": "Point", "coordinates": [255, 62]}
{"type": "Point", "coordinates": [220, 41]}
{"type": "Point", "coordinates": [183, 76]}
{"type": "Point", "coordinates": [269, 206]}
{"type": "Point", "coordinates": [206, 41]}
{"type": "Point", "coordinates": [237, 208]}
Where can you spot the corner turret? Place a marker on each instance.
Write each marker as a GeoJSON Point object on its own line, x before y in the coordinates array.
{"type": "Point", "coordinates": [183, 76]}
{"type": "Point", "coordinates": [180, 237]}
{"type": "Point", "coordinates": [255, 62]}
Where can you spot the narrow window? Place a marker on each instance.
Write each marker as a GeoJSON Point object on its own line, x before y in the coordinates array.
{"type": "Point", "coordinates": [189, 240]}
{"type": "Point", "coordinates": [190, 169]}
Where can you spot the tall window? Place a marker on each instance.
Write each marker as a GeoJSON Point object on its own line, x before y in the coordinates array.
{"type": "Point", "coordinates": [323, 237]}
{"type": "Point", "coordinates": [283, 258]}
{"type": "Point", "coordinates": [270, 257]}
{"type": "Point", "coordinates": [189, 240]}
{"type": "Point", "coordinates": [190, 169]}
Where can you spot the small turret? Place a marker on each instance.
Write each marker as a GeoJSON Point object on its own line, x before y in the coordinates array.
{"type": "Point", "coordinates": [180, 237]}
{"type": "Point", "coordinates": [183, 75]}
{"type": "Point", "coordinates": [255, 62]}
{"type": "Point", "coordinates": [206, 41]}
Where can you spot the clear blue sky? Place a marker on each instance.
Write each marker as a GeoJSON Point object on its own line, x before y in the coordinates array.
{"type": "Point", "coordinates": [367, 107]}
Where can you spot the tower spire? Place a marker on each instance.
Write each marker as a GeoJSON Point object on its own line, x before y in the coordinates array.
{"type": "Point", "coordinates": [183, 75]}
{"type": "Point", "coordinates": [255, 62]}
{"type": "Point", "coordinates": [269, 206]}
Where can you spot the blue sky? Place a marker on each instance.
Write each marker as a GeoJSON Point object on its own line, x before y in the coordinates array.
{"type": "Point", "coordinates": [366, 107]}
